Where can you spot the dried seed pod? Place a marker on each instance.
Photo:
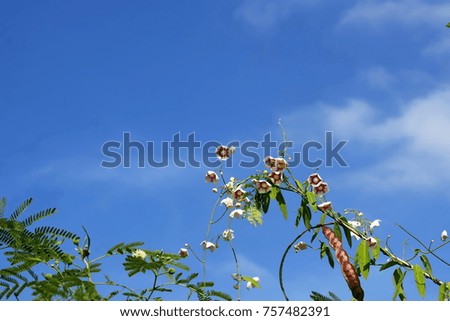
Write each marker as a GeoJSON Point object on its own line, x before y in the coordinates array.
{"type": "Point", "coordinates": [348, 270]}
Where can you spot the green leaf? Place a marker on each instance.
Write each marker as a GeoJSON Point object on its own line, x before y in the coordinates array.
{"type": "Point", "coordinates": [420, 279]}
{"type": "Point", "coordinates": [2, 206]}
{"type": "Point", "coordinates": [444, 291]}
{"type": "Point", "coordinates": [337, 231]}
{"type": "Point", "coordinates": [273, 192]}
{"type": "Point", "coordinates": [262, 201]}
{"type": "Point", "coordinates": [306, 215]}
{"type": "Point", "coordinates": [377, 250]}
{"type": "Point", "coordinates": [348, 235]}
{"type": "Point", "coordinates": [298, 218]}
{"type": "Point", "coordinates": [220, 295]}
{"type": "Point", "coordinates": [312, 200]}
{"type": "Point", "coordinates": [330, 257]}
{"type": "Point", "coordinates": [282, 203]}
{"type": "Point", "coordinates": [316, 296]}
{"type": "Point", "coordinates": [426, 264]}
{"type": "Point", "coordinates": [22, 207]}
{"type": "Point", "coordinates": [398, 277]}
{"type": "Point", "coordinates": [387, 265]}
{"type": "Point", "coordinates": [254, 216]}
{"type": "Point", "coordinates": [363, 258]}
{"type": "Point", "coordinates": [323, 248]}
{"type": "Point", "coordinates": [252, 281]}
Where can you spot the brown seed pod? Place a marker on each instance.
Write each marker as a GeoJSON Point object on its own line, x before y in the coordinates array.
{"type": "Point", "coordinates": [348, 270]}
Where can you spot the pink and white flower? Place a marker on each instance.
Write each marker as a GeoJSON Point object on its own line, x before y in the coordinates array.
{"type": "Point", "coordinates": [238, 213]}
{"type": "Point", "coordinates": [325, 206]}
{"type": "Point", "coordinates": [280, 164]}
{"type": "Point", "coordinates": [228, 202]}
{"type": "Point", "coordinates": [208, 246]}
{"type": "Point", "coordinates": [262, 186]}
{"type": "Point", "coordinates": [224, 152]}
{"type": "Point", "coordinates": [276, 178]}
{"type": "Point", "coordinates": [211, 177]}
{"type": "Point", "coordinates": [320, 188]}
{"type": "Point", "coordinates": [239, 193]}
{"type": "Point", "coordinates": [314, 179]}
{"type": "Point", "coordinates": [270, 162]}
{"type": "Point", "coordinates": [183, 252]}
{"type": "Point", "coordinates": [372, 242]}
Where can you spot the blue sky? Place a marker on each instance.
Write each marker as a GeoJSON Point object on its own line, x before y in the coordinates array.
{"type": "Point", "coordinates": [74, 75]}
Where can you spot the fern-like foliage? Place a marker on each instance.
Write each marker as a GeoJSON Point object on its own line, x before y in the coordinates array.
{"type": "Point", "coordinates": [24, 248]}
{"type": "Point", "coordinates": [316, 296]}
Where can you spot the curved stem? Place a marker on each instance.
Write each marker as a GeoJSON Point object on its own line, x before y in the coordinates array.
{"type": "Point", "coordinates": [427, 248]}
{"type": "Point", "coordinates": [238, 270]}
{"type": "Point", "coordinates": [283, 258]}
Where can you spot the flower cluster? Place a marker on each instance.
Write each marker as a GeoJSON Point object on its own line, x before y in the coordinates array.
{"type": "Point", "coordinates": [277, 165]}
{"type": "Point", "coordinates": [140, 254]}
{"type": "Point", "coordinates": [319, 186]}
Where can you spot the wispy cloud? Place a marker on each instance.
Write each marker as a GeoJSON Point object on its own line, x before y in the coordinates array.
{"type": "Point", "coordinates": [265, 14]}
{"type": "Point", "coordinates": [407, 12]}
{"type": "Point", "coordinates": [439, 47]}
{"type": "Point", "coordinates": [412, 145]}
{"type": "Point", "coordinates": [378, 77]}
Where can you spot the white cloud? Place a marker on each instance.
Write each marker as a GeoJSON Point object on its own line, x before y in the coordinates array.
{"type": "Point", "coordinates": [413, 142]}
{"type": "Point", "coordinates": [378, 77]}
{"type": "Point", "coordinates": [408, 12]}
{"type": "Point", "coordinates": [265, 14]}
{"type": "Point", "coordinates": [440, 47]}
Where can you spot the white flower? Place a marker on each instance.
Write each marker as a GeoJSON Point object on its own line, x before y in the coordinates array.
{"type": "Point", "coordinates": [355, 224]}
{"type": "Point", "coordinates": [208, 246]}
{"type": "Point", "coordinates": [215, 190]}
{"type": "Point", "coordinates": [276, 178]}
{"type": "Point", "coordinates": [211, 177]}
{"type": "Point", "coordinates": [444, 235]}
{"type": "Point", "coordinates": [262, 186]}
{"type": "Point", "coordinates": [228, 202]}
{"type": "Point", "coordinates": [320, 188]}
{"type": "Point", "coordinates": [239, 193]}
{"type": "Point", "coordinates": [250, 285]}
{"type": "Point", "coordinates": [355, 236]}
{"type": "Point", "coordinates": [374, 224]}
{"type": "Point", "coordinates": [300, 247]}
{"type": "Point", "coordinates": [372, 242]}
{"type": "Point", "coordinates": [270, 162]}
{"type": "Point", "coordinates": [183, 252]}
{"type": "Point", "coordinates": [229, 187]}
{"type": "Point", "coordinates": [314, 179]}
{"type": "Point", "coordinates": [325, 206]}
{"type": "Point", "coordinates": [224, 152]}
{"type": "Point", "coordinates": [228, 235]}
{"type": "Point", "coordinates": [140, 254]}
{"type": "Point", "coordinates": [280, 164]}
{"type": "Point", "coordinates": [237, 213]}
